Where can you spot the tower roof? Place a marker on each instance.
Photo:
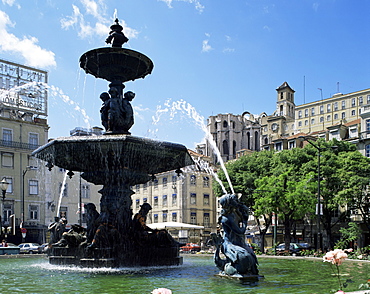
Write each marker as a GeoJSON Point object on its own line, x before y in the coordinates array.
{"type": "Point", "coordinates": [283, 86]}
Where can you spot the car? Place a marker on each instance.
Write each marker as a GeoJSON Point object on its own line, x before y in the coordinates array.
{"type": "Point", "coordinates": [29, 248]}
{"type": "Point", "coordinates": [43, 248]}
{"type": "Point", "coordinates": [190, 247]}
{"type": "Point", "coordinates": [294, 248]}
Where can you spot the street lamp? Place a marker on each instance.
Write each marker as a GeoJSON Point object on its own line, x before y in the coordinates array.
{"type": "Point", "coordinates": [317, 146]}
{"type": "Point", "coordinates": [3, 186]}
{"type": "Point", "coordinates": [24, 173]}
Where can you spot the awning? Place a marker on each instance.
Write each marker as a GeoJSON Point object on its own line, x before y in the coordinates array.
{"type": "Point", "coordinates": [174, 225]}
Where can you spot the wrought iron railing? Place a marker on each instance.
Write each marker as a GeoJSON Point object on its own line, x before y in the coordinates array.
{"type": "Point", "coordinates": [18, 145]}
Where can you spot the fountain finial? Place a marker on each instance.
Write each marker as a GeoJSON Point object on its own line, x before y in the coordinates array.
{"type": "Point", "coordinates": [116, 37]}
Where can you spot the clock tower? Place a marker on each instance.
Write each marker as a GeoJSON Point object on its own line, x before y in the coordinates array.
{"type": "Point", "coordinates": [285, 101]}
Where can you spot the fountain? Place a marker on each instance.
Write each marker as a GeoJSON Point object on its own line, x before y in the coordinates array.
{"type": "Point", "coordinates": [117, 161]}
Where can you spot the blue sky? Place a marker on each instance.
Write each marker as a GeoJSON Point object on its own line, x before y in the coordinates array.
{"type": "Point", "coordinates": [214, 56]}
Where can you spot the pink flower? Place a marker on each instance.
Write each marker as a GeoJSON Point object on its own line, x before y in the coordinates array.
{"type": "Point", "coordinates": [162, 291]}
{"type": "Point", "coordinates": [340, 292]}
{"type": "Point", "coordinates": [336, 256]}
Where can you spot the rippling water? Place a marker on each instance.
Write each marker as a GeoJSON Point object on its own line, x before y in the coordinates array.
{"type": "Point", "coordinates": [196, 275]}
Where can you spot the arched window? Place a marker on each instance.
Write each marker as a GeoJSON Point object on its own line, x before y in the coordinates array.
{"type": "Point", "coordinates": [248, 140]}
{"type": "Point", "coordinates": [225, 147]}
{"type": "Point", "coordinates": [256, 141]}
{"type": "Point", "coordinates": [234, 148]}
{"type": "Point", "coordinates": [215, 126]}
{"type": "Point", "coordinates": [225, 124]}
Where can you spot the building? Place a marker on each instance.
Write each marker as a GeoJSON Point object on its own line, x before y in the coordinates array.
{"type": "Point", "coordinates": [23, 113]}
{"type": "Point", "coordinates": [186, 198]}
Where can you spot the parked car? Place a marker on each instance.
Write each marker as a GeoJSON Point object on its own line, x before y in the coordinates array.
{"type": "Point", "coordinates": [306, 246]}
{"type": "Point", "coordinates": [294, 248]}
{"type": "Point", "coordinates": [29, 248]}
{"type": "Point", "coordinates": [43, 248]}
{"type": "Point", "coordinates": [190, 247]}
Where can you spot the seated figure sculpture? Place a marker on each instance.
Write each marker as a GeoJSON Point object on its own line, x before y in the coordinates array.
{"type": "Point", "coordinates": [145, 236]}
{"type": "Point", "coordinates": [240, 259]}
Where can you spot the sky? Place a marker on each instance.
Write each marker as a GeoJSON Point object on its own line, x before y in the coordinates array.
{"type": "Point", "coordinates": [210, 56]}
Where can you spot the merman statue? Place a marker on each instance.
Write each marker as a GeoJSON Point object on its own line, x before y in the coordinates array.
{"type": "Point", "coordinates": [240, 260]}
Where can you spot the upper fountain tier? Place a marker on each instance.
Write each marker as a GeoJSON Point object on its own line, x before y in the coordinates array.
{"type": "Point", "coordinates": [116, 63]}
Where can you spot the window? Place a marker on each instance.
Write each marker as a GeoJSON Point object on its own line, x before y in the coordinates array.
{"type": "Point", "coordinates": [145, 186]}
{"type": "Point", "coordinates": [353, 101]}
{"type": "Point", "coordinates": [328, 118]}
{"type": "Point", "coordinates": [205, 182]}
{"type": "Point", "coordinates": [63, 212]}
{"type": "Point", "coordinates": [336, 116]}
{"type": "Point", "coordinates": [34, 212]}
{"type": "Point", "coordinates": [7, 135]}
{"type": "Point", "coordinates": [367, 150]}
{"type": "Point", "coordinates": [8, 211]}
{"type": "Point", "coordinates": [164, 217]}
{"type": "Point", "coordinates": [206, 199]}
{"type": "Point", "coordinates": [312, 111]}
{"type": "Point", "coordinates": [225, 124]}
{"type": "Point", "coordinates": [63, 189]}
{"type": "Point", "coordinates": [34, 187]}
{"type": "Point", "coordinates": [368, 125]}
{"type": "Point", "coordinates": [291, 144]}
{"type": "Point", "coordinates": [353, 112]}
{"type": "Point", "coordinates": [145, 200]}
{"type": "Point", "coordinates": [312, 121]}
{"type": "Point", "coordinates": [321, 119]}
{"type": "Point", "coordinates": [300, 114]}
{"type": "Point", "coordinates": [137, 203]}
{"type": "Point", "coordinates": [321, 109]}
{"type": "Point", "coordinates": [164, 182]}
{"type": "Point", "coordinates": [328, 107]}
{"type": "Point", "coordinates": [278, 146]}
{"type": "Point", "coordinates": [9, 190]}
{"type": "Point", "coordinates": [368, 99]}
{"type": "Point", "coordinates": [306, 122]}
{"type": "Point", "coordinates": [360, 100]}
{"type": "Point", "coordinates": [299, 124]}
{"type": "Point", "coordinates": [335, 106]}
{"type": "Point", "coordinates": [155, 201]}
{"type": "Point", "coordinates": [85, 191]}
{"type": "Point", "coordinates": [343, 115]}
{"type": "Point", "coordinates": [193, 198]}
{"type": "Point", "coordinates": [164, 200]}
{"type": "Point", "coordinates": [155, 183]}
{"type": "Point", "coordinates": [33, 140]}
{"type": "Point", "coordinates": [156, 218]}
{"type": "Point", "coordinates": [193, 180]}
{"type": "Point", "coordinates": [206, 220]}
{"type": "Point", "coordinates": [174, 180]}
{"type": "Point", "coordinates": [174, 217]}
{"type": "Point", "coordinates": [193, 218]}
{"type": "Point", "coordinates": [174, 199]}
{"type": "Point", "coordinates": [344, 104]}
{"type": "Point", "coordinates": [138, 188]}
{"type": "Point", "coordinates": [306, 113]}
{"type": "Point", "coordinates": [7, 159]}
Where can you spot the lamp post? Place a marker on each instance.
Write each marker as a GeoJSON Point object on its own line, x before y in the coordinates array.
{"type": "Point", "coordinates": [319, 149]}
{"type": "Point", "coordinates": [23, 174]}
{"type": "Point", "coordinates": [3, 186]}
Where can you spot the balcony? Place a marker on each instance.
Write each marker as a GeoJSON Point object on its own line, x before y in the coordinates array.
{"type": "Point", "coordinates": [18, 145]}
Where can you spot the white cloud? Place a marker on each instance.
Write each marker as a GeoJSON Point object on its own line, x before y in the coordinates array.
{"type": "Point", "coordinates": [33, 54]}
{"type": "Point", "coordinates": [93, 22]}
{"type": "Point", "coordinates": [205, 46]}
{"type": "Point", "coordinates": [228, 50]}
{"type": "Point", "coordinates": [315, 6]}
{"type": "Point", "coordinates": [197, 4]}
{"type": "Point", "coordinates": [267, 28]}
{"type": "Point", "coordinates": [11, 3]}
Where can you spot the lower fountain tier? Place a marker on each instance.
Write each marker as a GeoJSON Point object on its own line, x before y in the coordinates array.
{"type": "Point", "coordinates": [122, 155]}
{"type": "Point", "coordinates": [153, 256]}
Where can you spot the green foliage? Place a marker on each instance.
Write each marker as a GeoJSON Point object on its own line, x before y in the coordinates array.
{"type": "Point", "coordinates": [348, 235]}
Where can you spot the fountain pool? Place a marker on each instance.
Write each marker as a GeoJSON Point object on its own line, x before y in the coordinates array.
{"type": "Point", "coordinates": [195, 276]}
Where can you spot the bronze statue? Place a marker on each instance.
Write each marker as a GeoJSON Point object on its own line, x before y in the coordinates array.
{"type": "Point", "coordinates": [240, 258]}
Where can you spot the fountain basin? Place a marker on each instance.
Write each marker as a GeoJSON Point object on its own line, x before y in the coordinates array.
{"type": "Point", "coordinates": [116, 64]}
{"type": "Point", "coordinates": [126, 155]}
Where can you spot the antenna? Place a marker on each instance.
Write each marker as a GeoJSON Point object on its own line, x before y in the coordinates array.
{"type": "Point", "coordinates": [337, 87]}
{"type": "Point", "coordinates": [304, 89]}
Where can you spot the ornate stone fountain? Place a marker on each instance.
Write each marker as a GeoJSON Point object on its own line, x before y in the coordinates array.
{"type": "Point", "coordinates": [117, 161]}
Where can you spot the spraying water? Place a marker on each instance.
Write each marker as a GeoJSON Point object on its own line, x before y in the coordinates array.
{"type": "Point", "coordinates": [62, 192]}
{"type": "Point", "coordinates": [172, 108]}
{"type": "Point", "coordinates": [53, 91]}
